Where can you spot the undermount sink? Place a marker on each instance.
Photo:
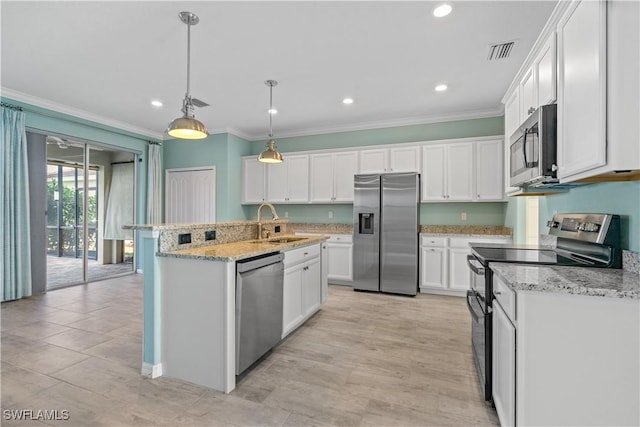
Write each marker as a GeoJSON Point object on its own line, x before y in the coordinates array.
{"type": "Point", "coordinates": [279, 240]}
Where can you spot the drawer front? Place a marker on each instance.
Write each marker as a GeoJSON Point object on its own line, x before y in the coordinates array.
{"type": "Point", "coordinates": [298, 255]}
{"type": "Point", "coordinates": [435, 242]}
{"type": "Point", "coordinates": [340, 238]}
{"type": "Point", "coordinates": [505, 296]}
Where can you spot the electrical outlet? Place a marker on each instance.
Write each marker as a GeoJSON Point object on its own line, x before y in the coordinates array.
{"type": "Point", "coordinates": [184, 238]}
{"type": "Point", "coordinates": [463, 216]}
{"type": "Point", "coordinates": [276, 229]}
{"type": "Point", "coordinates": [286, 214]}
{"type": "Point", "coordinates": [330, 214]}
{"type": "Point", "coordinates": [210, 235]}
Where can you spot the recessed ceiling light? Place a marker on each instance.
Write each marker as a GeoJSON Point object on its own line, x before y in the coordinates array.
{"type": "Point", "coordinates": [272, 111]}
{"type": "Point", "coordinates": [347, 101]}
{"type": "Point", "coordinates": [442, 10]}
{"type": "Point", "coordinates": [441, 88]}
{"type": "Point", "coordinates": [157, 103]}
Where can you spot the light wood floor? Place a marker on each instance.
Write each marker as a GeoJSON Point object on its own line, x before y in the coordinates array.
{"type": "Point", "coordinates": [364, 359]}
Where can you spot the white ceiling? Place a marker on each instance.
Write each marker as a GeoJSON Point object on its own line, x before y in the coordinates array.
{"type": "Point", "coordinates": [108, 60]}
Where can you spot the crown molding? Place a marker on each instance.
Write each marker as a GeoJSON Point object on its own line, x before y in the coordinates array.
{"type": "Point", "coordinates": [81, 114]}
{"type": "Point", "coordinates": [379, 124]}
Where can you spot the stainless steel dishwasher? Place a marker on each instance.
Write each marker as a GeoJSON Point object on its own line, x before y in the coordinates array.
{"type": "Point", "coordinates": [259, 285]}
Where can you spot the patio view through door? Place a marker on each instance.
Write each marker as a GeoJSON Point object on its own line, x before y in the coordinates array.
{"type": "Point", "coordinates": [90, 195]}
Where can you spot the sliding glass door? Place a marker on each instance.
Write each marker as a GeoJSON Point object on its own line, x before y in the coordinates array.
{"type": "Point", "coordinates": [90, 195]}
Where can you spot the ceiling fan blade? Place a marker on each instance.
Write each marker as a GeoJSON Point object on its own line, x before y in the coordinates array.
{"type": "Point", "coordinates": [198, 103]}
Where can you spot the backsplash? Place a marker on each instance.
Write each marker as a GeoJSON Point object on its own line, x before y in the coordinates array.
{"type": "Point", "coordinates": [631, 261]}
{"type": "Point", "coordinates": [226, 232]}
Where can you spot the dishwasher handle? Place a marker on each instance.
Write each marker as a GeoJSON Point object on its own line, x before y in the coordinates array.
{"type": "Point", "coordinates": [253, 263]}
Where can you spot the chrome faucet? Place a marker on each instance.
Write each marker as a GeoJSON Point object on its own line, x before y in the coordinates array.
{"type": "Point", "coordinates": [273, 212]}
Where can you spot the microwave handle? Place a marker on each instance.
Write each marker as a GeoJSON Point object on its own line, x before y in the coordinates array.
{"type": "Point", "coordinates": [527, 164]}
{"type": "Point", "coordinates": [524, 148]}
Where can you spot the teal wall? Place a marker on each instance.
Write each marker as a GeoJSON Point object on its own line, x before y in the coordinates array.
{"type": "Point", "coordinates": [224, 151]}
{"type": "Point", "coordinates": [430, 213]}
{"type": "Point", "coordinates": [622, 198]}
{"type": "Point", "coordinates": [392, 135]}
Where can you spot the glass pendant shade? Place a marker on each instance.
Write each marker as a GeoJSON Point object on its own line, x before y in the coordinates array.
{"type": "Point", "coordinates": [187, 128]}
{"type": "Point", "coordinates": [270, 155]}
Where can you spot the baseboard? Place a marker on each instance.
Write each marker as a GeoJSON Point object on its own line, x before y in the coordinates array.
{"type": "Point", "coordinates": [449, 292]}
{"type": "Point", "coordinates": [340, 282]}
{"type": "Point", "coordinates": [151, 371]}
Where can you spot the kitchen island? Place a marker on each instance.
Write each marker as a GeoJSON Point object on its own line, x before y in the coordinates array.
{"type": "Point", "coordinates": [566, 345]}
{"type": "Point", "coordinates": [190, 300]}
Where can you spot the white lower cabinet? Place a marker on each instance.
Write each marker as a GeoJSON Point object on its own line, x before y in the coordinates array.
{"type": "Point", "coordinates": [339, 257]}
{"type": "Point", "coordinates": [564, 359]}
{"type": "Point", "coordinates": [302, 293]}
{"type": "Point", "coordinates": [443, 262]}
{"type": "Point", "coordinates": [504, 365]}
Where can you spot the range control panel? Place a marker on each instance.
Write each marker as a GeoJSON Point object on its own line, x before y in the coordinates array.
{"type": "Point", "coordinates": [586, 227]}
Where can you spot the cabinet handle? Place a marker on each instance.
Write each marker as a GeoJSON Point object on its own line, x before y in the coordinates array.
{"type": "Point", "coordinates": [306, 253]}
{"type": "Point", "coordinates": [497, 293]}
{"type": "Point", "coordinates": [531, 110]}
{"type": "Point", "coordinates": [478, 196]}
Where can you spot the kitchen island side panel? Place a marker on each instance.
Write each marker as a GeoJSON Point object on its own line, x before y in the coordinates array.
{"type": "Point", "coordinates": [198, 323]}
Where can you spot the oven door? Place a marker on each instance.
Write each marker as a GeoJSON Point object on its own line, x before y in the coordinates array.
{"type": "Point", "coordinates": [480, 341]}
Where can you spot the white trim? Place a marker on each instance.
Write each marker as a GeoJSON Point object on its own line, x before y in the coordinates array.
{"type": "Point", "coordinates": [65, 109]}
{"type": "Point", "coordinates": [151, 371]}
{"type": "Point", "coordinates": [139, 271]}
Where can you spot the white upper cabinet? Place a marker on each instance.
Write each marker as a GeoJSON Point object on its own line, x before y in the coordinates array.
{"type": "Point", "coordinates": [528, 101]}
{"type": "Point", "coordinates": [582, 88]}
{"type": "Point", "coordinates": [345, 166]}
{"type": "Point", "coordinates": [447, 172]}
{"type": "Point", "coordinates": [404, 159]}
{"type": "Point", "coordinates": [489, 177]}
{"type": "Point", "coordinates": [332, 176]}
{"type": "Point", "coordinates": [545, 70]}
{"type": "Point", "coordinates": [587, 61]}
{"type": "Point", "coordinates": [387, 160]}
{"type": "Point", "coordinates": [374, 161]}
{"type": "Point", "coordinates": [288, 182]}
{"type": "Point", "coordinates": [253, 180]}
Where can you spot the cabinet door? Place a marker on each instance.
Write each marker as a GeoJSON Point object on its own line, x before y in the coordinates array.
{"type": "Point", "coordinates": [298, 178]}
{"type": "Point", "coordinates": [253, 180]}
{"type": "Point", "coordinates": [433, 267]}
{"type": "Point", "coordinates": [404, 159]}
{"type": "Point", "coordinates": [345, 166]}
{"type": "Point", "coordinates": [433, 173]}
{"type": "Point", "coordinates": [528, 101]}
{"type": "Point", "coordinates": [277, 182]}
{"type": "Point", "coordinates": [581, 88]}
{"type": "Point", "coordinates": [511, 123]}
{"type": "Point", "coordinates": [460, 174]}
{"type": "Point", "coordinates": [459, 273]}
{"type": "Point", "coordinates": [321, 177]}
{"type": "Point", "coordinates": [292, 312]}
{"type": "Point", "coordinates": [488, 171]}
{"type": "Point", "coordinates": [340, 261]}
{"type": "Point", "coordinates": [545, 70]}
{"type": "Point", "coordinates": [373, 161]}
{"type": "Point", "coordinates": [504, 366]}
{"type": "Point", "coordinates": [311, 292]}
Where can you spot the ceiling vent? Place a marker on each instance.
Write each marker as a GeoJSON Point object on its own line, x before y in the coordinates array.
{"type": "Point", "coordinates": [500, 51]}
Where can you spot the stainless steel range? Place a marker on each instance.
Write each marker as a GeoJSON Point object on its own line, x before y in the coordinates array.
{"type": "Point", "coordinates": [587, 240]}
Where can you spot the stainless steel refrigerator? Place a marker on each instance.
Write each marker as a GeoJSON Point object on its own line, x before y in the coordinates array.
{"type": "Point", "coordinates": [385, 233]}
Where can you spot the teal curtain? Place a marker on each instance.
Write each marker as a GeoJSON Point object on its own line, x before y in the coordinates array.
{"type": "Point", "coordinates": [14, 213]}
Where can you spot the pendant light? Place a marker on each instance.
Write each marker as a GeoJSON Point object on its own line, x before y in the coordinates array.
{"type": "Point", "coordinates": [270, 155]}
{"type": "Point", "coordinates": [187, 126]}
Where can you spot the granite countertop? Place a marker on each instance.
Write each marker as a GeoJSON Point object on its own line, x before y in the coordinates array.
{"type": "Point", "coordinates": [602, 282]}
{"type": "Point", "coordinates": [320, 228]}
{"type": "Point", "coordinates": [466, 230]}
{"type": "Point", "coordinates": [241, 250]}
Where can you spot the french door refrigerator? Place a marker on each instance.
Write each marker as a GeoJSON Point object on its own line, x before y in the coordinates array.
{"type": "Point", "coordinates": [385, 233]}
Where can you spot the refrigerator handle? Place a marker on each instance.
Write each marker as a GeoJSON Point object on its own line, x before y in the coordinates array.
{"type": "Point", "coordinates": [365, 223]}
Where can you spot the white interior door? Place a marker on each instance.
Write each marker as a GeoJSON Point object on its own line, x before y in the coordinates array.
{"type": "Point", "coordinates": [190, 195]}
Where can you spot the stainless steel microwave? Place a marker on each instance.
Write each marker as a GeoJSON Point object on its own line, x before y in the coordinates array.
{"type": "Point", "coordinates": [533, 150]}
